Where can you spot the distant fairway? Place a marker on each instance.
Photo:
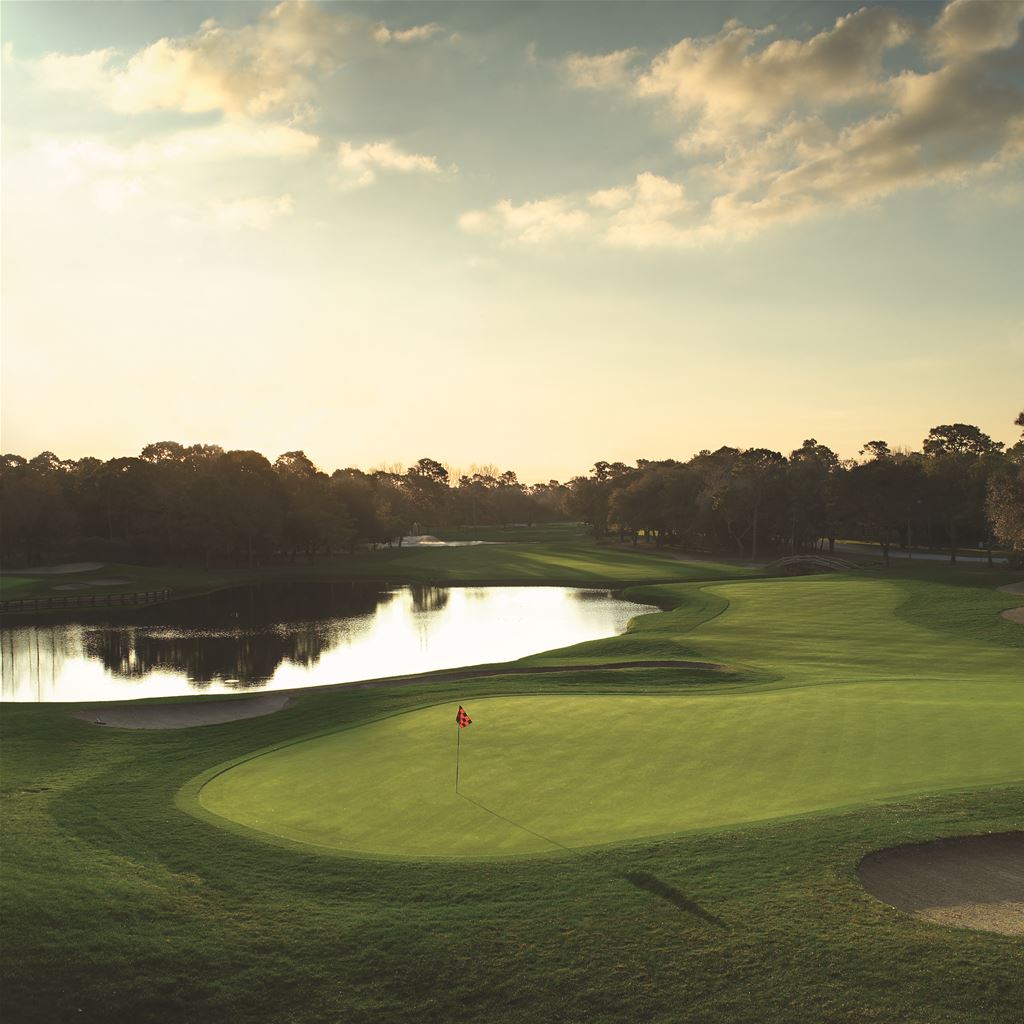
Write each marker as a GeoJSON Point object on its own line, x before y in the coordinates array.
{"type": "Point", "coordinates": [860, 706]}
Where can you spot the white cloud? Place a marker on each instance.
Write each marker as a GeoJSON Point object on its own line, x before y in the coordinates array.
{"type": "Point", "coordinates": [532, 222]}
{"type": "Point", "coordinates": [778, 130]}
{"type": "Point", "coordinates": [361, 163]}
{"type": "Point", "coordinates": [729, 82]}
{"type": "Point", "coordinates": [271, 66]}
{"type": "Point", "coordinates": [74, 159]}
{"type": "Point", "coordinates": [256, 213]}
{"type": "Point", "coordinates": [605, 71]}
{"type": "Point", "coordinates": [169, 178]}
{"type": "Point", "coordinates": [647, 213]}
{"type": "Point", "coordinates": [416, 34]}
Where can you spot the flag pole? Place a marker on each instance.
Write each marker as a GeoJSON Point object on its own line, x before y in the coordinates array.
{"type": "Point", "coordinates": [458, 752]}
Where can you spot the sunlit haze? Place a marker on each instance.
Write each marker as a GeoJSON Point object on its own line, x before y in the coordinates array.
{"type": "Point", "coordinates": [530, 235]}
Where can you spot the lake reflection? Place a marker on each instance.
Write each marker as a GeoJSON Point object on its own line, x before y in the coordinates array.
{"type": "Point", "coordinates": [280, 637]}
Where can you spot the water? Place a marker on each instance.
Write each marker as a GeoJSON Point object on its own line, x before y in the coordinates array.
{"type": "Point", "coordinates": [281, 637]}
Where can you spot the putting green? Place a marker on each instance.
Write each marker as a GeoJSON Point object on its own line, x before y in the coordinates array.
{"type": "Point", "coordinates": [869, 707]}
{"type": "Point", "coordinates": [543, 772]}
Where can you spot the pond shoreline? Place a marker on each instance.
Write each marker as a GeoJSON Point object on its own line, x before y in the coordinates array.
{"type": "Point", "coordinates": [293, 637]}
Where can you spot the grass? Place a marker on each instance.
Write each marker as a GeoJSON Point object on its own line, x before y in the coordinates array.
{"type": "Point", "coordinates": [544, 773]}
{"type": "Point", "coordinates": [123, 900]}
{"type": "Point", "coordinates": [885, 708]}
{"type": "Point", "coordinates": [561, 555]}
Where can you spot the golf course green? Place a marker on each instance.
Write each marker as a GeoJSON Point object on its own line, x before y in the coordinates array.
{"type": "Point", "coordinates": [883, 709]}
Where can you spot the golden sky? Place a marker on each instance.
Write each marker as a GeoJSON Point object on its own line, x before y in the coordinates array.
{"type": "Point", "coordinates": [528, 235]}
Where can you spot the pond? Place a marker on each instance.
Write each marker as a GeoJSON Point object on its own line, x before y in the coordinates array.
{"type": "Point", "coordinates": [280, 637]}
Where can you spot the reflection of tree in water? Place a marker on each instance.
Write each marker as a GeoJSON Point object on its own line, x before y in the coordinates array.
{"type": "Point", "coordinates": [243, 659]}
{"type": "Point", "coordinates": [238, 636]}
{"type": "Point", "coordinates": [428, 599]}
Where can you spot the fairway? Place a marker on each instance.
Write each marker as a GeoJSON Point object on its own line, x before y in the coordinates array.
{"type": "Point", "coordinates": [540, 773]}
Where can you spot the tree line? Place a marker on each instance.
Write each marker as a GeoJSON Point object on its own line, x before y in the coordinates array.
{"type": "Point", "coordinates": [178, 504]}
{"type": "Point", "coordinates": [961, 489]}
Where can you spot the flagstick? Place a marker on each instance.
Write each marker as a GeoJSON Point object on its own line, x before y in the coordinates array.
{"type": "Point", "coordinates": [458, 751]}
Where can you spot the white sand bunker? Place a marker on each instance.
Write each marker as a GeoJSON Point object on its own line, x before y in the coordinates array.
{"type": "Point", "coordinates": [425, 540]}
{"type": "Point", "coordinates": [102, 581]}
{"type": "Point", "coordinates": [1014, 614]}
{"type": "Point", "coordinates": [60, 570]}
{"type": "Point", "coordinates": [970, 882]}
{"type": "Point", "coordinates": [186, 714]}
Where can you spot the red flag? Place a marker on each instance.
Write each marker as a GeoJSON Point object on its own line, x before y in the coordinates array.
{"type": "Point", "coordinates": [461, 718]}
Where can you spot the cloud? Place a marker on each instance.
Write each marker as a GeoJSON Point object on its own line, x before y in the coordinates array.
{"type": "Point", "coordinates": [271, 66]}
{"type": "Point", "coordinates": [606, 71]}
{"type": "Point", "coordinates": [170, 177]}
{"type": "Point", "coordinates": [542, 220]}
{"type": "Point", "coordinates": [645, 214]}
{"type": "Point", "coordinates": [779, 130]}
{"type": "Point", "coordinates": [361, 163]}
{"type": "Point", "coordinates": [77, 158]}
{"type": "Point", "coordinates": [725, 83]}
{"type": "Point", "coordinates": [642, 214]}
{"type": "Point", "coordinates": [255, 213]}
{"type": "Point", "coordinates": [416, 34]}
{"type": "Point", "coordinates": [968, 27]}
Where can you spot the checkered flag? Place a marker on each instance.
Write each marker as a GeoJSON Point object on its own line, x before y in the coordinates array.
{"type": "Point", "coordinates": [461, 718]}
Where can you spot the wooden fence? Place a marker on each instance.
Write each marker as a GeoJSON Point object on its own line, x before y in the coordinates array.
{"type": "Point", "coordinates": [73, 601]}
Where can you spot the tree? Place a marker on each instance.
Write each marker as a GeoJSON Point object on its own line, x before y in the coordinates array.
{"type": "Point", "coordinates": [809, 473]}
{"type": "Point", "coordinates": [878, 491]}
{"type": "Point", "coordinates": [1005, 497]}
{"type": "Point", "coordinates": [958, 458]}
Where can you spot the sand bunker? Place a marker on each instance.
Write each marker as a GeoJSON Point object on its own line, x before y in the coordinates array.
{"type": "Point", "coordinates": [184, 715]}
{"type": "Point", "coordinates": [102, 581]}
{"type": "Point", "coordinates": [1014, 614]}
{"type": "Point", "coordinates": [60, 570]}
{"type": "Point", "coordinates": [425, 540]}
{"type": "Point", "coordinates": [970, 882]}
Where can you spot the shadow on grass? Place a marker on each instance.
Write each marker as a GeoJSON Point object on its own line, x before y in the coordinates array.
{"type": "Point", "coordinates": [639, 879]}
{"type": "Point", "coordinates": [642, 880]}
{"type": "Point", "coordinates": [515, 824]}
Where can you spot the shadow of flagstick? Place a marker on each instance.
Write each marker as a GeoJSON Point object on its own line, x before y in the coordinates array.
{"type": "Point", "coordinates": [515, 824]}
{"type": "Point", "coordinates": [639, 879]}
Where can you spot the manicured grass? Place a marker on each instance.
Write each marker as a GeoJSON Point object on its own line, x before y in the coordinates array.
{"type": "Point", "coordinates": [543, 773]}
{"type": "Point", "coordinates": [123, 901]}
{"type": "Point", "coordinates": [564, 556]}
{"type": "Point", "coordinates": [883, 708]}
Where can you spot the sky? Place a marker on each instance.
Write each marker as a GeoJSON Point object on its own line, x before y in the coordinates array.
{"type": "Point", "coordinates": [532, 235]}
